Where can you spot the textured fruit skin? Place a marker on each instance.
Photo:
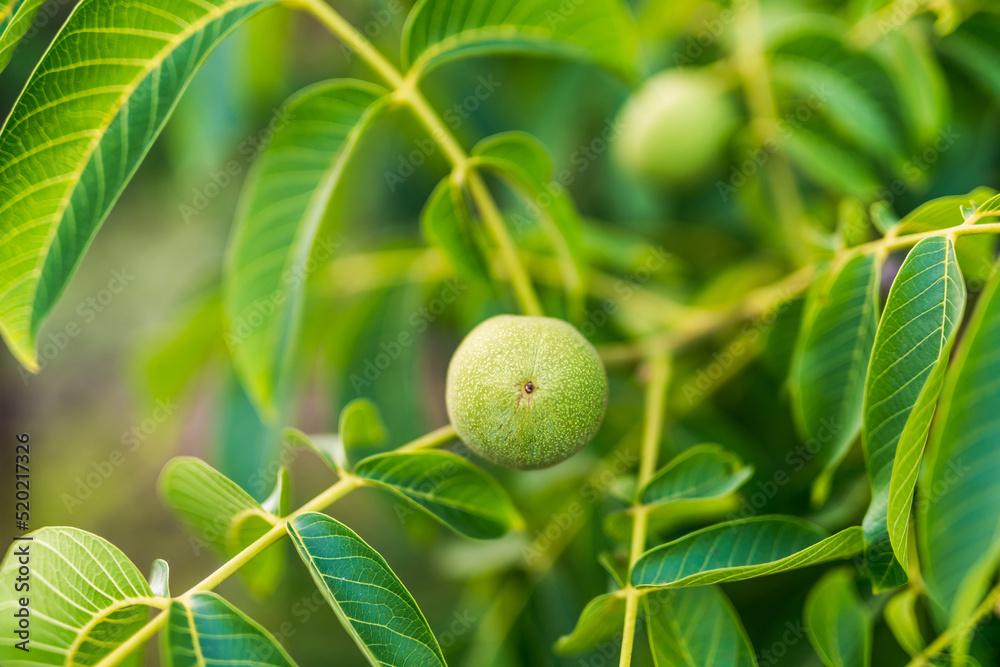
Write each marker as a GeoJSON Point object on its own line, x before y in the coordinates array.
{"type": "Point", "coordinates": [675, 126]}
{"type": "Point", "coordinates": [526, 392]}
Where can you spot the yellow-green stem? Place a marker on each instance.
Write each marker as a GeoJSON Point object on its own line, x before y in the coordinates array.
{"type": "Point", "coordinates": [946, 638]}
{"type": "Point", "coordinates": [407, 92]}
{"type": "Point", "coordinates": [656, 393]}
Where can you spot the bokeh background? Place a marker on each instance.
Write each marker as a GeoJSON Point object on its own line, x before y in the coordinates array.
{"type": "Point", "coordinates": [146, 372]}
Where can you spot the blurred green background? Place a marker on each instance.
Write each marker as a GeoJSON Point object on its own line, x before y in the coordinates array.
{"type": "Point", "coordinates": [146, 371]}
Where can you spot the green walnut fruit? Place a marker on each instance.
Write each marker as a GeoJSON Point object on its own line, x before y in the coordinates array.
{"type": "Point", "coordinates": [675, 126]}
{"type": "Point", "coordinates": [526, 392]}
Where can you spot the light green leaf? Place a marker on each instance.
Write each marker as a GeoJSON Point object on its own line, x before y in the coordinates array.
{"type": "Point", "coordinates": [361, 425]}
{"type": "Point", "coordinates": [838, 622]}
{"type": "Point", "coordinates": [901, 616]}
{"type": "Point", "coordinates": [438, 31]}
{"type": "Point", "coordinates": [175, 358]}
{"type": "Point", "coordinates": [944, 212]}
{"type": "Point", "coordinates": [521, 160]}
{"type": "Point", "coordinates": [690, 627]}
{"type": "Point", "coordinates": [15, 19]}
{"type": "Point", "coordinates": [273, 247]}
{"type": "Point", "coordinates": [700, 473]}
{"type": "Point", "coordinates": [601, 619]}
{"type": "Point", "coordinates": [447, 226]}
{"type": "Point", "coordinates": [86, 118]}
{"type": "Point", "coordinates": [279, 503]}
{"type": "Point", "coordinates": [204, 629]}
{"type": "Point", "coordinates": [915, 334]}
{"type": "Point", "coordinates": [370, 601]}
{"type": "Point", "coordinates": [959, 499]}
{"type": "Point", "coordinates": [159, 579]}
{"type": "Point", "coordinates": [220, 513]}
{"type": "Point", "coordinates": [328, 446]}
{"type": "Point", "coordinates": [455, 492]}
{"type": "Point", "coordinates": [830, 360]}
{"type": "Point", "coordinates": [86, 598]}
{"type": "Point", "coordinates": [742, 549]}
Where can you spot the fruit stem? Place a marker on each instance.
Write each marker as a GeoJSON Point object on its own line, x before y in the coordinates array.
{"type": "Point", "coordinates": [407, 92]}
{"type": "Point", "coordinates": [656, 393]}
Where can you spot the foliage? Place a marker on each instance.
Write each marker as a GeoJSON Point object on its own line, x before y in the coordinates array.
{"type": "Point", "coordinates": [836, 317]}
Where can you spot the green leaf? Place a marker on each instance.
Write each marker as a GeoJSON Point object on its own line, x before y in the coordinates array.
{"type": "Point", "coordinates": [520, 159]}
{"type": "Point", "coordinates": [273, 247]}
{"type": "Point", "coordinates": [438, 31]}
{"type": "Point", "coordinates": [601, 619]}
{"type": "Point", "coordinates": [328, 446]}
{"type": "Point", "coordinates": [83, 123]}
{"type": "Point", "coordinates": [901, 616]}
{"type": "Point", "coordinates": [945, 212]}
{"type": "Point", "coordinates": [700, 473]}
{"type": "Point", "coordinates": [696, 626]}
{"type": "Point", "coordinates": [86, 598]}
{"type": "Point", "coordinates": [15, 19]}
{"type": "Point", "coordinates": [830, 360]}
{"type": "Point", "coordinates": [838, 622]}
{"type": "Point", "coordinates": [447, 226]}
{"type": "Point", "coordinates": [959, 499]}
{"type": "Point", "coordinates": [361, 425]}
{"type": "Point", "coordinates": [279, 503]}
{"type": "Point", "coordinates": [830, 165]}
{"type": "Point", "coordinates": [204, 629]}
{"type": "Point", "coordinates": [915, 72]}
{"type": "Point", "coordinates": [915, 334]}
{"type": "Point", "coordinates": [974, 46]}
{"type": "Point", "coordinates": [159, 579]}
{"type": "Point", "coordinates": [370, 601]}
{"type": "Point", "coordinates": [849, 107]}
{"type": "Point", "coordinates": [220, 513]}
{"type": "Point", "coordinates": [455, 492]}
{"type": "Point", "coordinates": [742, 549]}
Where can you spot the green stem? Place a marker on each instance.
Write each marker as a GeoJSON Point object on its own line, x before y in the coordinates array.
{"type": "Point", "coordinates": [344, 485]}
{"type": "Point", "coordinates": [406, 91]}
{"type": "Point", "coordinates": [946, 638]}
{"type": "Point", "coordinates": [656, 393]}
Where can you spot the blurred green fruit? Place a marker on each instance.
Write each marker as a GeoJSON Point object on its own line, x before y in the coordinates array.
{"type": "Point", "coordinates": [526, 392]}
{"type": "Point", "coordinates": [675, 126]}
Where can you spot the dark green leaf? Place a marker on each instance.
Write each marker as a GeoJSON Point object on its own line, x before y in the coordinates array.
{"type": "Point", "coordinates": [914, 336]}
{"type": "Point", "coordinates": [371, 602]}
{"type": "Point", "coordinates": [830, 360]}
{"type": "Point", "coordinates": [204, 629]}
{"type": "Point", "coordinates": [742, 549]}
{"type": "Point", "coordinates": [15, 19]}
{"type": "Point", "coordinates": [699, 473]}
{"type": "Point", "coordinates": [838, 622]}
{"type": "Point", "coordinates": [697, 626]}
{"type": "Point", "coordinates": [446, 486]}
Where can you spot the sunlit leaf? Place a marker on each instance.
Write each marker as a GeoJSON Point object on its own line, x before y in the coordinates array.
{"type": "Point", "coordinates": [221, 514]}
{"type": "Point", "coordinates": [15, 19]}
{"type": "Point", "coordinates": [274, 244]}
{"type": "Point", "coordinates": [915, 334]}
{"type": "Point", "coordinates": [838, 622]}
{"type": "Point", "coordinates": [959, 498]}
{"type": "Point", "coordinates": [830, 360]}
{"type": "Point", "coordinates": [696, 626]}
{"type": "Point", "coordinates": [159, 579]}
{"type": "Point", "coordinates": [85, 599]}
{"type": "Point", "coordinates": [204, 629]}
{"type": "Point", "coordinates": [600, 620]}
{"type": "Point", "coordinates": [84, 122]}
{"type": "Point", "coordinates": [742, 549]}
{"type": "Point", "coordinates": [455, 492]}
{"type": "Point", "coordinates": [438, 31]}
{"type": "Point", "coordinates": [901, 616]}
{"type": "Point", "coordinates": [374, 606]}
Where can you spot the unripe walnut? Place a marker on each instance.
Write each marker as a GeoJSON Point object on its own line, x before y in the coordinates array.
{"type": "Point", "coordinates": [526, 392]}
